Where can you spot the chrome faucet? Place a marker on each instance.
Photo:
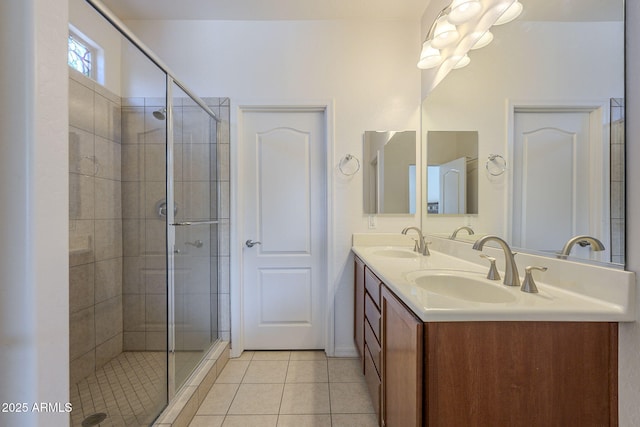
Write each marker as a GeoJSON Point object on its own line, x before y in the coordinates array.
{"type": "Point", "coordinates": [421, 246]}
{"type": "Point", "coordinates": [596, 245]}
{"type": "Point", "coordinates": [511, 277]}
{"type": "Point", "coordinates": [455, 232]}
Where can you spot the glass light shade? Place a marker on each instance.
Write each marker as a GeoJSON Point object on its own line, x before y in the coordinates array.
{"type": "Point", "coordinates": [444, 34]}
{"type": "Point", "coordinates": [510, 14]}
{"type": "Point", "coordinates": [486, 38]}
{"type": "Point", "coordinates": [429, 57]}
{"type": "Point", "coordinates": [464, 10]}
{"type": "Point", "coordinates": [462, 62]}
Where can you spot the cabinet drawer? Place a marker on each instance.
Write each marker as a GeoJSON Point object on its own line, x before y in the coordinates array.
{"type": "Point", "coordinates": [374, 346]}
{"type": "Point", "coordinates": [372, 314]}
{"type": "Point", "coordinates": [374, 384]}
{"type": "Point", "coordinates": [372, 285]}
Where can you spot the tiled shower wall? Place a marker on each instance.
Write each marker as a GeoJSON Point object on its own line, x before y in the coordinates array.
{"type": "Point", "coordinates": [222, 321]}
{"type": "Point", "coordinates": [144, 235]}
{"type": "Point", "coordinates": [95, 222]}
{"type": "Point", "coordinates": [201, 192]}
{"type": "Point", "coordinates": [117, 241]}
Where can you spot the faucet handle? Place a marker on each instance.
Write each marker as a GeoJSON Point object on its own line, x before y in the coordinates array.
{"type": "Point", "coordinates": [493, 271]}
{"type": "Point", "coordinates": [529, 285]}
{"type": "Point", "coordinates": [425, 248]}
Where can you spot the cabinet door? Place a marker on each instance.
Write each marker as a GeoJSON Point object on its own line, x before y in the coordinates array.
{"type": "Point", "coordinates": [402, 364]}
{"type": "Point", "coordinates": [358, 321]}
{"type": "Point", "coordinates": [522, 374]}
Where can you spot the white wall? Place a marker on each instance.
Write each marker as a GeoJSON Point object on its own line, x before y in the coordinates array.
{"type": "Point", "coordinates": [34, 299]}
{"type": "Point", "coordinates": [367, 68]}
{"type": "Point", "coordinates": [629, 348]}
{"type": "Point", "coordinates": [527, 61]}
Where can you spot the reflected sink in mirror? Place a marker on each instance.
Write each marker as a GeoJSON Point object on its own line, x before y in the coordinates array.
{"type": "Point", "coordinates": [395, 253]}
{"type": "Point", "coordinates": [468, 286]}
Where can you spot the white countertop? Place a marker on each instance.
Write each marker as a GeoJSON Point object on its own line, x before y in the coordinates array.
{"type": "Point", "coordinates": [568, 291]}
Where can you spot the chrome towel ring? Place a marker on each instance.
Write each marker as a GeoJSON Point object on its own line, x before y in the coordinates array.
{"type": "Point", "coordinates": [345, 161]}
{"type": "Point", "coordinates": [496, 164]}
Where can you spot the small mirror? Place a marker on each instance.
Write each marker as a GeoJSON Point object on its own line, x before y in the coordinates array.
{"type": "Point", "coordinates": [389, 166]}
{"type": "Point", "coordinates": [452, 172]}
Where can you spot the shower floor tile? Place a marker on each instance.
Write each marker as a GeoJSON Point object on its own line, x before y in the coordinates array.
{"type": "Point", "coordinates": [131, 390]}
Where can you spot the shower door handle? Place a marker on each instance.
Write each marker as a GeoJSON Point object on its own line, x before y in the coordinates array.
{"type": "Point", "coordinates": [250, 243]}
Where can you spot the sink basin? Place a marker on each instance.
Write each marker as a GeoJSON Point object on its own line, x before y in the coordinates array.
{"type": "Point", "coordinates": [395, 253]}
{"type": "Point", "coordinates": [461, 285]}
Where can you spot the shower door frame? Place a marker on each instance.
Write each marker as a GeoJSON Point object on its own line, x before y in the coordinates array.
{"type": "Point", "coordinates": [171, 240]}
{"type": "Point", "coordinates": [171, 225]}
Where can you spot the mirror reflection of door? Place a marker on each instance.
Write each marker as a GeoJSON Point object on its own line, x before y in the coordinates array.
{"type": "Point", "coordinates": [452, 172]}
{"type": "Point", "coordinates": [453, 187]}
{"type": "Point", "coordinates": [558, 159]}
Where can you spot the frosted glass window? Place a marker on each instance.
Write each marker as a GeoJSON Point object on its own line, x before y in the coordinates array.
{"type": "Point", "coordinates": [80, 56]}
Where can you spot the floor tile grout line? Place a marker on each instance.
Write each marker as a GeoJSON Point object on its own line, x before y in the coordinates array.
{"type": "Point", "coordinates": [329, 393]}
{"type": "Point", "coordinates": [283, 387]}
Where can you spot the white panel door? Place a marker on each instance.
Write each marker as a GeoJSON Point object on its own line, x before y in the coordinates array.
{"type": "Point", "coordinates": [453, 187]}
{"type": "Point", "coordinates": [551, 178]}
{"type": "Point", "coordinates": [284, 210]}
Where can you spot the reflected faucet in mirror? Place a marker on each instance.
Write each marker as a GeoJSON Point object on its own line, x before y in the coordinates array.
{"type": "Point", "coordinates": [421, 245]}
{"type": "Point", "coordinates": [596, 245]}
{"type": "Point", "coordinates": [466, 228]}
{"type": "Point", "coordinates": [511, 277]}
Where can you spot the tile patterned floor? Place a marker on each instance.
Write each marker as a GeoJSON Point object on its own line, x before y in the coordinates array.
{"type": "Point", "coordinates": [287, 389]}
{"type": "Point", "coordinates": [130, 389]}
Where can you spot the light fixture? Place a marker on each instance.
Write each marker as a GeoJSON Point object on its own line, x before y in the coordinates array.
{"type": "Point", "coordinates": [445, 33]}
{"type": "Point", "coordinates": [464, 10]}
{"type": "Point", "coordinates": [486, 38]}
{"type": "Point", "coordinates": [511, 13]}
{"type": "Point", "coordinates": [461, 62]}
{"type": "Point", "coordinates": [462, 26]}
{"type": "Point", "coordinates": [429, 57]}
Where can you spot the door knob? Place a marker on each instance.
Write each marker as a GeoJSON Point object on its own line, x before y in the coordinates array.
{"type": "Point", "coordinates": [250, 243]}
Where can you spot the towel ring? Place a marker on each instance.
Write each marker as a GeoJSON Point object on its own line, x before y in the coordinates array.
{"type": "Point", "coordinates": [346, 159]}
{"type": "Point", "coordinates": [496, 164]}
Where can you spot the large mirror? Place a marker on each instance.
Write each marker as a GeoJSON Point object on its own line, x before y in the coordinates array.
{"type": "Point", "coordinates": [452, 172]}
{"type": "Point", "coordinates": [389, 172]}
{"type": "Point", "coordinates": [547, 96]}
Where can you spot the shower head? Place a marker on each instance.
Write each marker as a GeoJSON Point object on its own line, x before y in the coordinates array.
{"type": "Point", "coordinates": [160, 113]}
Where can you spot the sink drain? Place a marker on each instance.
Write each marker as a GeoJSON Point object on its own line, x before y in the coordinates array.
{"type": "Point", "coordinates": [94, 420]}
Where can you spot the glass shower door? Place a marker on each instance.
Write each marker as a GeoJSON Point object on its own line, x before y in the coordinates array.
{"type": "Point", "coordinates": [193, 234]}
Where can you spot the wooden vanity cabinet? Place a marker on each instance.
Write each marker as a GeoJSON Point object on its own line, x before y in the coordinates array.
{"type": "Point", "coordinates": [372, 341]}
{"type": "Point", "coordinates": [358, 321]}
{"type": "Point", "coordinates": [521, 374]}
{"type": "Point", "coordinates": [367, 330]}
{"type": "Point", "coordinates": [402, 355]}
{"type": "Point", "coordinates": [511, 373]}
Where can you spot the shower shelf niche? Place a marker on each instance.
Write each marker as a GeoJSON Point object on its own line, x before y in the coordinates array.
{"type": "Point", "coordinates": [79, 245]}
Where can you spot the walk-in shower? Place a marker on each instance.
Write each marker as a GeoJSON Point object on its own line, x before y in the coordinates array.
{"type": "Point", "coordinates": [146, 282]}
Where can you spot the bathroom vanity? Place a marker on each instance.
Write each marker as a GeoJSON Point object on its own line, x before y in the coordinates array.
{"type": "Point", "coordinates": [434, 359]}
